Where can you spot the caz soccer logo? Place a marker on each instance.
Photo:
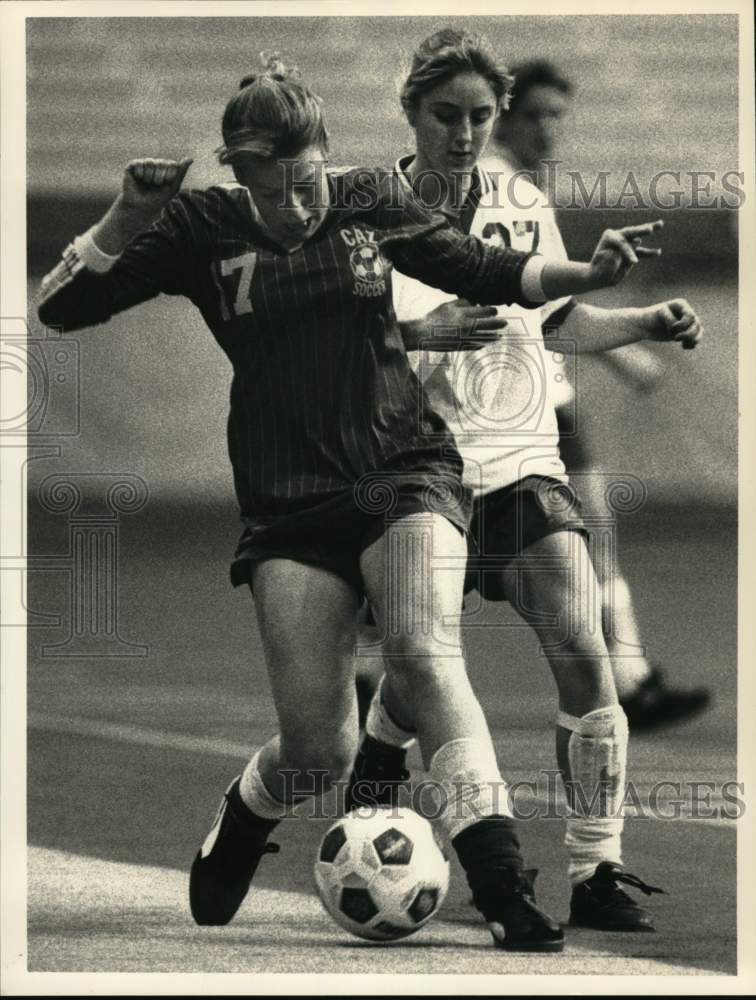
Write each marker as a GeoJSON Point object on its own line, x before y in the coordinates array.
{"type": "Point", "coordinates": [368, 267]}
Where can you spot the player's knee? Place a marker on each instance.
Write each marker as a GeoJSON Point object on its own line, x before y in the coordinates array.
{"type": "Point", "coordinates": [577, 629]}
{"type": "Point", "coordinates": [416, 657]}
{"type": "Point", "coordinates": [406, 672]}
{"type": "Point", "coordinates": [429, 638]}
{"type": "Point", "coordinates": [416, 669]}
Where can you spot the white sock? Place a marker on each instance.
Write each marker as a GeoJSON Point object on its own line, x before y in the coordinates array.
{"type": "Point", "coordinates": [468, 785]}
{"type": "Point", "coordinates": [598, 761]}
{"type": "Point", "coordinates": [382, 727]}
{"type": "Point", "coordinates": [256, 796]}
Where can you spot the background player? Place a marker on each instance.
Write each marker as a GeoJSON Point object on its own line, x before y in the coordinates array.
{"type": "Point", "coordinates": [523, 139]}
{"type": "Point", "coordinates": [286, 267]}
{"type": "Point", "coordinates": [526, 518]}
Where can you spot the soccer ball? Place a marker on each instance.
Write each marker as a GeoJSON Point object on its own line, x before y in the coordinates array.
{"type": "Point", "coordinates": [380, 873]}
{"type": "Point", "coordinates": [366, 263]}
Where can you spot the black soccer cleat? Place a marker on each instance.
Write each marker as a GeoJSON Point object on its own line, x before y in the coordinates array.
{"type": "Point", "coordinates": [507, 902]}
{"type": "Point", "coordinates": [655, 704]}
{"type": "Point", "coordinates": [601, 904]}
{"type": "Point", "coordinates": [222, 872]}
{"type": "Point", "coordinates": [378, 777]}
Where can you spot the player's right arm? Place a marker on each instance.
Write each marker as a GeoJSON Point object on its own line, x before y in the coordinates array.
{"type": "Point", "coordinates": [137, 250]}
{"type": "Point", "coordinates": [616, 253]}
{"type": "Point", "coordinates": [491, 275]}
{"type": "Point", "coordinates": [425, 246]}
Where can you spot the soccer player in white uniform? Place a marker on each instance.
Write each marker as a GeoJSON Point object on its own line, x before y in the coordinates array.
{"type": "Point", "coordinates": [498, 403]}
{"type": "Point", "coordinates": [521, 141]}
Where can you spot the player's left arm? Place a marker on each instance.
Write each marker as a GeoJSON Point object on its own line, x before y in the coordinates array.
{"type": "Point", "coordinates": [453, 326]}
{"type": "Point", "coordinates": [593, 329]}
{"type": "Point", "coordinates": [141, 247]}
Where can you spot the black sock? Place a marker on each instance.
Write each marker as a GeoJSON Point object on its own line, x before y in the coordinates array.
{"type": "Point", "coordinates": [374, 746]}
{"type": "Point", "coordinates": [489, 851]}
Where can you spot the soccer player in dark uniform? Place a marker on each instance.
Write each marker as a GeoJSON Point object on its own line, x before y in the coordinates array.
{"type": "Point", "coordinates": [347, 480]}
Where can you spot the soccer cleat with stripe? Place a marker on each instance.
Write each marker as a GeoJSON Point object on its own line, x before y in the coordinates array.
{"type": "Point", "coordinates": [601, 904]}
{"type": "Point", "coordinates": [507, 902]}
{"type": "Point", "coordinates": [223, 869]}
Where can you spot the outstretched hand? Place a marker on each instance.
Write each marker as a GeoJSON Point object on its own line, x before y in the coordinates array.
{"type": "Point", "coordinates": [619, 250]}
{"type": "Point", "coordinates": [458, 326]}
{"type": "Point", "coordinates": [674, 320]}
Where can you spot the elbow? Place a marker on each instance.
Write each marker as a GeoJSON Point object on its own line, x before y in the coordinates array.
{"type": "Point", "coordinates": [46, 314]}
{"type": "Point", "coordinates": [63, 309]}
{"type": "Point", "coordinates": [51, 315]}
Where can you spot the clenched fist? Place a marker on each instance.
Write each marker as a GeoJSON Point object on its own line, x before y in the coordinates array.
{"type": "Point", "coordinates": [675, 320]}
{"type": "Point", "coordinates": [148, 185]}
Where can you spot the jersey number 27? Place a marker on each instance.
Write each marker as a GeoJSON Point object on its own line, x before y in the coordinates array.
{"type": "Point", "coordinates": [522, 230]}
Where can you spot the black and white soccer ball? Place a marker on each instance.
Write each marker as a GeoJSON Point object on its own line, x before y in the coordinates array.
{"type": "Point", "coordinates": [366, 263]}
{"type": "Point", "coordinates": [380, 873]}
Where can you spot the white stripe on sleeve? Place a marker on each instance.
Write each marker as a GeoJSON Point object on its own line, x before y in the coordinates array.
{"type": "Point", "coordinates": [90, 254]}
{"type": "Point", "coordinates": [530, 281]}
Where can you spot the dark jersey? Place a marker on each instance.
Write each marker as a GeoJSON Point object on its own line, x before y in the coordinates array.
{"type": "Point", "coordinates": [322, 390]}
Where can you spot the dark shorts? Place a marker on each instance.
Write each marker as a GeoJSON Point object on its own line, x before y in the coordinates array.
{"type": "Point", "coordinates": [334, 532]}
{"type": "Point", "coordinates": [505, 522]}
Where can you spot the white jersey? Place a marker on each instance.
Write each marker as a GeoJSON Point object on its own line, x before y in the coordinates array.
{"type": "Point", "coordinates": [499, 401]}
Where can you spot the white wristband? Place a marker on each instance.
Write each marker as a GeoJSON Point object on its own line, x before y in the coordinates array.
{"type": "Point", "coordinates": [90, 254]}
{"type": "Point", "coordinates": [530, 282]}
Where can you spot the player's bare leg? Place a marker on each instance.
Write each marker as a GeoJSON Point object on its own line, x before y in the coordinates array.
{"type": "Point", "coordinates": [426, 686]}
{"type": "Point", "coordinates": [368, 661]}
{"type": "Point", "coordinates": [553, 581]}
{"type": "Point", "coordinates": [417, 613]}
{"type": "Point", "coordinates": [303, 614]}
